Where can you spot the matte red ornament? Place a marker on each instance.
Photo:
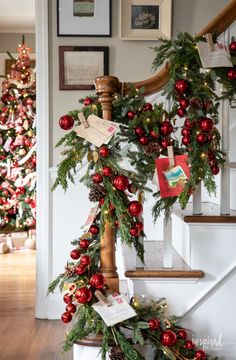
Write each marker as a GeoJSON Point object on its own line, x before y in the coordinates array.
{"type": "Point", "coordinates": [135, 208]}
{"type": "Point", "coordinates": [184, 103]}
{"type": "Point", "coordinates": [181, 86]}
{"type": "Point", "coordinates": [131, 115]}
{"type": "Point", "coordinates": [104, 151]}
{"type": "Point", "coordinates": [80, 269]}
{"type": "Point", "coordinates": [66, 317]}
{"type": "Point", "coordinates": [154, 135]}
{"type": "Point", "coordinates": [107, 171]}
{"type": "Point", "coordinates": [66, 122]}
{"type": "Point", "coordinates": [71, 308]}
{"type": "Point", "coordinates": [231, 74]}
{"type": "Point", "coordinates": [94, 229]}
{"type": "Point", "coordinates": [84, 243]}
{"type": "Point", "coordinates": [97, 178]}
{"type": "Point", "coordinates": [134, 231]}
{"type": "Point", "coordinates": [186, 140]}
{"type": "Point", "coordinates": [205, 124]}
{"type": "Point", "coordinates": [83, 295]}
{"type": "Point", "coordinates": [201, 138]}
{"type": "Point", "coordinates": [143, 140]}
{"type": "Point", "coordinates": [154, 324]}
{"type": "Point", "coordinates": [186, 132]}
{"type": "Point", "coordinates": [181, 112]}
{"type": "Point", "coordinates": [166, 128]}
{"type": "Point", "coordinates": [139, 225]}
{"type": "Point", "coordinates": [215, 170]}
{"type": "Point", "coordinates": [168, 338]}
{"type": "Point", "coordinates": [88, 101]}
{"type": "Point", "coordinates": [189, 345]}
{"type": "Point", "coordinates": [97, 281]}
{"type": "Point", "coordinates": [139, 131]}
{"type": "Point", "coordinates": [147, 107]}
{"type": "Point", "coordinates": [85, 260]}
{"type": "Point", "coordinates": [75, 254]}
{"type": "Point", "coordinates": [200, 355]}
{"type": "Point", "coordinates": [188, 124]}
{"type": "Point", "coordinates": [121, 182]}
{"type": "Point", "coordinates": [182, 334]}
{"type": "Point", "coordinates": [232, 46]}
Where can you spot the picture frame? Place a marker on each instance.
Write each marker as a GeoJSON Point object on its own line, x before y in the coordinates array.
{"type": "Point", "coordinates": [145, 20]}
{"type": "Point", "coordinates": [84, 18]}
{"type": "Point", "coordinates": [80, 65]}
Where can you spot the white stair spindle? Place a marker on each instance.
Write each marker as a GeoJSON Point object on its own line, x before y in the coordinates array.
{"type": "Point", "coordinates": [167, 240]}
{"type": "Point", "coordinates": [197, 198]}
{"type": "Point", "coordinates": [139, 264]}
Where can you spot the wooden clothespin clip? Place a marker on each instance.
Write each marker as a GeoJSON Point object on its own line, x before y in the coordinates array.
{"type": "Point", "coordinates": [101, 298]}
{"type": "Point", "coordinates": [170, 153]}
{"type": "Point", "coordinates": [83, 121]}
{"type": "Point", "coordinates": [210, 42]}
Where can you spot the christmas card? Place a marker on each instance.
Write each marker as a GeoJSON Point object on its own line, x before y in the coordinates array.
{"type": "Point", "coordinates": [218, 56]}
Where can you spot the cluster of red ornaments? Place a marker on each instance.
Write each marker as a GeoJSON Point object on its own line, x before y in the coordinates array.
{"type": "Point", "coordinates": [231, 73]}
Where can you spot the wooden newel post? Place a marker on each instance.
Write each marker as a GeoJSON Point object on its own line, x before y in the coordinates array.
{"type": "Point", "coordinates": [106, 86]}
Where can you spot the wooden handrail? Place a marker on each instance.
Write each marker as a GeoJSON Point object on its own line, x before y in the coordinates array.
{"type": "Point", "coordinates": [217, 25]}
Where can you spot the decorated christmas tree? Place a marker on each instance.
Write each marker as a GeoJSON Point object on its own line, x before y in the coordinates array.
{"type": "Point", "coordinates": [18, 144]}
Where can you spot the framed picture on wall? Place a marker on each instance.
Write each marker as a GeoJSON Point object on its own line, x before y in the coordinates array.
{"type": "Point", "coordinates": [80, 65]}
{"type": "Point", "coordinates": [84, 17]}
{"type": "Point", "coordinates": [145, 20]}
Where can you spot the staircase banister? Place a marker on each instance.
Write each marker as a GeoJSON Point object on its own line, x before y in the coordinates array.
{"type": "Point", "coordinates": [217, 25]}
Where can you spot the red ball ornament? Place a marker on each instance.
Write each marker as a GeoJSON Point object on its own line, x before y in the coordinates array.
{"type": "Point", "coordinates": [71, 308]}
{"type": "Point", "coordinates": [231, 74]}
{"type": "Point", "coordinates": [67, 298]}
{"type": "Point", "coordinates": [143, 140]}
{"type": "Point", "coordinates": [66, 122]}
{"type": "Point", "coordinates": [205, 124]}
{"type": "Point", "coordinates": [139, 131]}
{"type": "Point", "coordinates": [165, 143]}
{"type": "Point", "coordinates": [121, 182]}
{"type": "Point", "coordinates": [80, 269]}
{"type": "Point", "coordinates": [107, 171]}
{"type": "Point", "coordinates": [232, 46]}
{"type": "Point", "coordinates": [182, 334]}
{"type": "Point", "coordinates": [166, 128]}
{"type": "Point", "coordinates": [83, 295]}
{"type": "Point", "coordinates": [215, 170]}
{"type": "Point", "coordinates": [75, 254]}
{"type": "Point", "coordinates": [147, 107]}
{"type": "Point", "coordinates": [135, 208]}
{"type": "Point", "coordinates": [94, 229]}
{"type": "Point", "coordinates": [97, 178]}
{"type": "Point", "coordinates": [97, 281]}
{"type": "Point", "coordinates": [84, 243]}
{"type": "Point", "coordinates": [139, 225]}
{"type": "Point", "coordinates": [189, 345]}
{"type": "Point", "coordinates": [181, 112]}
{"type": "Point", "coordinates": [154, 324]}
{"type": "Point", "coordinates": [101, 201]}
{"type": "Point", "coordinates": [186, 140]}
{"type": "Point", "coordinates": [188, 124]}
{"type": "Point", "coordinates": [85, 260]}
{"type": "Point", "coordinates": [131, 115]}
{"type": "Point", "coordinates": [154, 135]}
{"type": "Point", "coordinates": [117, 224]}
{"type": "Point", "coordinates": [104, 151]}
{"type": "Point", "coordinates": [168, 338]}
{"type": "Point", "coordinates": [186, 132]}
{"type": "Point", "coordinates": [134, 231]}
{"type": "Point", "coordinates": [29, 101]}
{"type": "Point", "coordinates": [181, 86]}
{"type": "Point", "coordinates": [66, 317]}
{"type": "Point", "coordinates": [184, 103]}
{"type": "Point", "coordinates": [200, 355]}
{"type": "Point", "coordinates": [201, 138]}
{"type": "Point", "coordinates": [88, 101]}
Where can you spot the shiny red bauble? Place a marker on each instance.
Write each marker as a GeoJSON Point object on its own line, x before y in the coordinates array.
{"type": "Point", "coordinates": [186, 132]}
{"type": "Point", "coordinates": [139, 131]}
{"type": "Point", "coordinates": [186, 140]}
{"type": "Point", "coordinates": [84, 243]}
{"type": "Point", "coordinates": [107, 171]}
{"type": "Point", "coordinates": [200, 355]}
{"type": "Point", "coordinates": [88, 101]}
{"type": "Point", "coordinates": [143, 140]}
{"type": "Point", "coordinates": [66, 317]}
{"type": "Point", "coordinates": [66, 122]}
{"type": "Point", "coordinates": [181, 112]}
{"type": "Point", "coordinates": [165, 143]}
{"type": "Point", "coordinates": [80, 269]}
{"type": "Point", "coordinates": [131, 115]}
{"type": "Point", "coordinates": [85, 260]}
{"type": "Point", "coordinates": [134, 231]}
{"type": "Point", "coordinates": [97, 281]}
{"type": "Point", "coordinates": [168, 338]}
{"type": "Point", "coordinates": [94, 229]}
{"type": "Point", "coordinates": [67, 298]}
{"type": "Point", "coordinates": [188, 124]}
{"type": "Point", "coordinates": [231, 74]}
{"type": "Point", "coordinates": [139, 225]}
{"type": "Point", "coordinates": [201, 138]}
{"type": "Point", "coordinates": [154, 134]}
{"type": "Point", "coordinates": [189, 345]}
{"type": "Point", "coordinates": [101, 201]}
{"type": "Point", "coordinates": [135, 208]}
{"type": "Point", "coordinates": [121, 182]}
{"type": "Point", "coordinates": [71, 308]}
{"type": "Point", "coordinates": [181, 86]}
{"type": "Point", "coordinates": [83, 295]}
{"type": "Point", "coordinates": [75, 254]}
{"type": "Point", "coordinates": [147, 107]}
{"type": "Point", "coordinates": [97, 178]}
{"type": "Point", "coordinates": [184, 103]}
{"type": "Point", "coordinates": [154, 324]}
{"type": "Point", "coordinates": [166, 128]}
{"type": "Point", "coordinates": [182, 334]}
{"type": "Point", "coordinates": [104, 151]}
{"type": "Point", "coordinates": [205, 124]}
{"type": "Point", "coordinates": [215, 170]}
{"type": "Point", "coordinates": [232, 46]}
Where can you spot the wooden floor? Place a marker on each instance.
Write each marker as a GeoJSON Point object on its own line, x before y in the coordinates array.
{"type": "Point", "coordinates": [22, 337]}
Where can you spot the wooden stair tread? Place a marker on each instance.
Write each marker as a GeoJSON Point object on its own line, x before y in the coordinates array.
{"type": "Point", "coordinates": [210, 214]}
{"type": "Point", "coordinates": [164, 273]}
